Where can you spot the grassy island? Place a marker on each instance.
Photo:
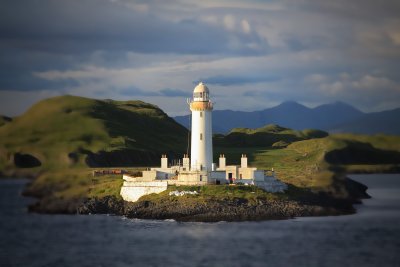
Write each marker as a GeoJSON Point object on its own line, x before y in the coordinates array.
{"type": "Point", "coordinates": [61, 141]}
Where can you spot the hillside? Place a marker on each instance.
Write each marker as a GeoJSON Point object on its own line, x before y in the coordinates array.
{"type": "Point", "coordinates": [70, 131]}
{"type": "Point", "coordinates": [269, 135]}
{"type": "Point", "coordinates": [288, 114]}
{"type": "Point", "coordinates": [321, 163]}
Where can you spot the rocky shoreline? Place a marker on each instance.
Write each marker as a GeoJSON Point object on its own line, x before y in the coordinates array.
{"type": "Point", "coordinates": [230, 210]}
{"type": "Point", "coordinates": [191, 208]}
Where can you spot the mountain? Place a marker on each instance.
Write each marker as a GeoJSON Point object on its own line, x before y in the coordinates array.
{"type": "Point", "coordinates": [75, 131]}
{"type": "Point", "coordinates": [288, 114]}
{"type": "Point", "coordinates": [387, 122]}
{"type": "Point", "coordinates": [335, 113]}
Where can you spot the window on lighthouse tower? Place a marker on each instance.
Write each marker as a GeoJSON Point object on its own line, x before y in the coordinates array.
{"type": "Point", "coordinates": [201, 136]}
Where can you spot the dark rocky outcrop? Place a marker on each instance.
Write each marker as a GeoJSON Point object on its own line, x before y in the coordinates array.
{"type": "Point", "coordinates": [26, 161]}
{"type": "Point", "coordinates": [106, 205]}
{"type": "Point", "coordinates": [211, 211]}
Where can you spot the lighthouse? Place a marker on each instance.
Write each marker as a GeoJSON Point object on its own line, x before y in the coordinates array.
{"type": "Point", "coordinates": [199, 169]}
{"type": "Point", "coordinates": [201, 154]}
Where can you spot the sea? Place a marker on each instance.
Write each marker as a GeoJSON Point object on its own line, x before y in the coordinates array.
{"type": "Point", "coordinates": [371, 237]}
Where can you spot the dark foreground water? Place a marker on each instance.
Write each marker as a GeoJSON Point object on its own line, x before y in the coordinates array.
{"type": "Point", "coordinates": [369, 238]}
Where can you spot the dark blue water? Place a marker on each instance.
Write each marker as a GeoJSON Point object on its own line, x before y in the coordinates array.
{"type": "Point", "coordinates": [369, 238]}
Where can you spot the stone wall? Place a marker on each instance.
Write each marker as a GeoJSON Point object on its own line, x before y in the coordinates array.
{"type": "Point", "coordinates": [132, 191]}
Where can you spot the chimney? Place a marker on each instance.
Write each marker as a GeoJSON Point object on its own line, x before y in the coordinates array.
{"type": "Point", "coordinates": [222, 162]}
{"type": "Point", "coordinates": [243, 161]}
{"type": "Point", "coordinates": [164, 162]}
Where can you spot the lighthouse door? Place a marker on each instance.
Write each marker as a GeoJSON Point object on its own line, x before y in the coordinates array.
{"type": "Point", "coordinates": [230, 178]}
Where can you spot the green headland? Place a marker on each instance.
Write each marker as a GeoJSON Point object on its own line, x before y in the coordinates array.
{"type": "Point", "coordinates": [60, 141]}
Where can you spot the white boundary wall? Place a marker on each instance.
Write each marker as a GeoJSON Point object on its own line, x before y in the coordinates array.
{"type": "Point", "coordinates": [132, 191]}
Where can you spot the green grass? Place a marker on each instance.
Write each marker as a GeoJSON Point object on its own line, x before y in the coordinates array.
{"type": "Point", "coordinates": [215, 193]}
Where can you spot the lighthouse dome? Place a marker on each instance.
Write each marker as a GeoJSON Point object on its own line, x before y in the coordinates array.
{"type": "Point", "coordinates": [201, 88]}
{"type": "Point", "coordinates": [201, 92]}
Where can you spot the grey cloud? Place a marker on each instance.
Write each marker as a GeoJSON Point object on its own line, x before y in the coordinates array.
{"type": "Point", "coordinates": [237, 80]}
{"type": "Point", "coordinates": [370, 10]}
{"type": "Point", "coordinates": [79, 26]}
{"type": "Point", "coordinates": [174, 92]}
{"type": "Point", "coordinates": [39, 35]}
{"type": "Point", "coordinates": [167, 92]}
{"type": "Point", "coordinates": [133, 91]}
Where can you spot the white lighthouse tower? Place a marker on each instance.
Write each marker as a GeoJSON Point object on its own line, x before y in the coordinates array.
{"type": "Point", "coordinates": [201, 156]}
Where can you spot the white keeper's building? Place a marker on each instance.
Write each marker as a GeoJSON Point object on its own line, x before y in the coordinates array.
{"type": "Point", "coordinates": [199, 169]}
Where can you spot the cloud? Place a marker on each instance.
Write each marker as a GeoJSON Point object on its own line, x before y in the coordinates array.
{"type": "Point", "coordinates": [229, 22]}
{"type": "Point", "coordinates": [237, 80]}
{"type": "Point", "coordinates": [133, 91]}
{"type": "Point", "coordinates": [174, 93]}
{"type": "Point", "coordinates": [81, 26]}
{"type": "Point", "coordinates": [246, 26]}
{"type": "Point", "coordinates": [357, 9]}
{"type": "Point", "coordinates": [167, 92]}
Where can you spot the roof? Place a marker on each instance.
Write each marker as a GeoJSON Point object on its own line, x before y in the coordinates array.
{"type": "Point", "coordinates": [201, 88]}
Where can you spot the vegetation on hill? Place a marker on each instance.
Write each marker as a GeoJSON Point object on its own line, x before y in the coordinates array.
{"type": "Point", "coordinates": [70, 131]}
{"type": "Point", "coordinates": [321, 164]}
{"type": "Point", "coordinates": [265, 136]}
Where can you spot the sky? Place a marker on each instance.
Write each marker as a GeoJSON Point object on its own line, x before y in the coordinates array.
{"type": "Point", "coordinates": [251, 54]}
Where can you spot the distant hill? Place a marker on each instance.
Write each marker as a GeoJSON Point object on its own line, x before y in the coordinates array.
{"type": "Point", "coordinates": [329, 117]}
{"type": "Point", "coordinates": [271, 135]}
{"type": "Point", "coordinates": [387, 122]}
{"type": "Point", "coordinates": [71, 131]}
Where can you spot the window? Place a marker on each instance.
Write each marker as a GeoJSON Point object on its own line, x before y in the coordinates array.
{"type": "Point", "coordinates": [201, 136]}
{"type": "Point", "coordinates": [201, 114]}
{"type": "Point", "coordinates": [201, 95]}
{"type": "Point", "coordinates": [201, 177]}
